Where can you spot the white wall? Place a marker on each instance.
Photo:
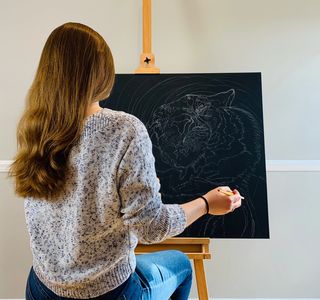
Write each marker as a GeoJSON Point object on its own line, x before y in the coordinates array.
{"type": "Point", "coordinates": [280, 38]}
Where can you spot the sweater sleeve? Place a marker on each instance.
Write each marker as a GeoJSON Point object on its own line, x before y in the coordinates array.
{"type": "Point", "coordinates": [141, 205]}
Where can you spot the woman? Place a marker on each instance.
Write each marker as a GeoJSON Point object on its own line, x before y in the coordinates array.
{"type": "Point", "coordinates": [88, 179]}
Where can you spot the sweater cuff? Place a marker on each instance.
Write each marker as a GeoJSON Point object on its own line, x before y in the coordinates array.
{"type": "Point", "coordinates": [178, 219]}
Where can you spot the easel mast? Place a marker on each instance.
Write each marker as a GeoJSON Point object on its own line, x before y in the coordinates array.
{"type": "Point", "coordinates": [147, 59]}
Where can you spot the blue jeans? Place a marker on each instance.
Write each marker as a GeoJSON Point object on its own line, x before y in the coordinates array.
{"type": "Point", "coordinates": [158, 276]}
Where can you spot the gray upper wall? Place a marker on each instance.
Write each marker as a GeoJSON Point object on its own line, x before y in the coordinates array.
{"type": "Point", "coordinates": [278, 38]}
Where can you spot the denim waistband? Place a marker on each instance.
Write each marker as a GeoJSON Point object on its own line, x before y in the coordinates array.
{"type": "Point", "coordinates": [111, 295]}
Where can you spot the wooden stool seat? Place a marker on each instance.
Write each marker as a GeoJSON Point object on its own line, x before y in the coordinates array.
{"type": "Point", "coordinates": [196, 249]}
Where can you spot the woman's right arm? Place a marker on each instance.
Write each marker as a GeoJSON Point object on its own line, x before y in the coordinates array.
{"type": "Point", "coordinates": [141, 206]}
{"type": "Point", "coordinates": [219, 204]}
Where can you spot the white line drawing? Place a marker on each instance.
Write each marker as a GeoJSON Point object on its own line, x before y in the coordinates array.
{"type": "Point", "coordinates": [206, 131]}
{"type": "Point", "coordinates": [191, 132]}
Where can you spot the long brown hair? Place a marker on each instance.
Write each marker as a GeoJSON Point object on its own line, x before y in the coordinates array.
{"type": "Point", "coordinates": [75, 69]}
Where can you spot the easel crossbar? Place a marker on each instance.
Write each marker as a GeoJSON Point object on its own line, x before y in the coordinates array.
{"type": "Point", "coordinates": [195, 248]}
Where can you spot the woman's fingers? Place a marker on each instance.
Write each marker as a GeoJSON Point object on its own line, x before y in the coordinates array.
{"type": "Point", "coordinates": [223, 200]}
{"type": "Point", "coordinates": [236, 201]}
{"type": "Point", "coordinates": [235, 191]}
{"type": "Point", "coordinates": [225, 188]}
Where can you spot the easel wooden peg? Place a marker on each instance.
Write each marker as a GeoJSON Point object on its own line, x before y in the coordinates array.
{"type": "Point", "coordinates": [147, 59]}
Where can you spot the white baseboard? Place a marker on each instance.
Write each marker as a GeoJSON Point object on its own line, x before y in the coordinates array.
{"type": "Point", "coordinates": [271, 165]}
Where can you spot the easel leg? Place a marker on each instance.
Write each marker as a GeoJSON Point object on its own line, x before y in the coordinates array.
{"type": "Point", "coordinates": [201, 279]}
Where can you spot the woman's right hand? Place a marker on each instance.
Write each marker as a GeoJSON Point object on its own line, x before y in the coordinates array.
{"type": "Point", "coordinates": [221, 204]}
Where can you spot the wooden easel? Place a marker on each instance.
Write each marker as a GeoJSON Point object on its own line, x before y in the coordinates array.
{"type": "Point", "coordinates": [196, 248]}
{"type": "Point", "coordinates": [147, 60]}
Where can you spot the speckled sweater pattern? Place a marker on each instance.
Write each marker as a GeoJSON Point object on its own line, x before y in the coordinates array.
{"type": "Point", "coordinates": [83, 243]}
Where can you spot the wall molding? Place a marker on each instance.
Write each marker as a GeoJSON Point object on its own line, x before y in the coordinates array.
{"type": "Point", "coordinates": [293, 165]}
{"type": "Point", "coordinates": [4, 165]}
{"type": "Point", "coordinates": [271, 165]}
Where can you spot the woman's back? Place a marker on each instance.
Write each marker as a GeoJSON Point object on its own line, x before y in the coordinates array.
{"type": "Point", "coordinates": [83, 242]}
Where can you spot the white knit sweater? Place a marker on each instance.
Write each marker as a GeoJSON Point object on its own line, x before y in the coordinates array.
{"type": "Point", "coordinates": [83, 244]}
